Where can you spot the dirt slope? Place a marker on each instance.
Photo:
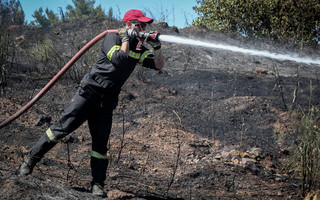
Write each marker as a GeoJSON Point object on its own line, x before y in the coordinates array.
{"type": "Point", "coordinates": [211, 125]}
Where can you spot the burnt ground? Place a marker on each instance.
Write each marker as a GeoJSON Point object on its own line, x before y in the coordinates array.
{"type": "Point", "coordinates": [211, 125]}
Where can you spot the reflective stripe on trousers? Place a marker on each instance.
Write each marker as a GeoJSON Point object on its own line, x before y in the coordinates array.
{"type": "Point", "coordinates": [51, 136]}
{"type": "Point", "coordinates": [98, 155]}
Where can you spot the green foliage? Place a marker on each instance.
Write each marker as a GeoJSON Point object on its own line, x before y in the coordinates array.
{"type": "Point", "coordinates": [11, 12]}
{"type": "Point", "coordinates": [41, 19]}
{"type": "Point", "coordinates": [84, 9]}
{"type": "Point", "coordinates": [81, 9]}
{"type": "Point", "coordinates": [289, 19]}
{"type": "Point", "coordinates": [43, 54]}
{"type": "Point", "coordinates": [47, 19]}
{"type": "Point", "coordinates": [305, 160]}
{"type": "Point", "coordinates": [52, 17]}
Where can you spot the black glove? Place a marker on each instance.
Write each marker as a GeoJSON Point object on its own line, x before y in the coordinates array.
{"type": "Point", "coordinates": [156, 44]}
{"type": "Point", "coordinates": [123, 35]}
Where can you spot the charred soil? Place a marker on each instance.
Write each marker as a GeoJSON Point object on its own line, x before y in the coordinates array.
{"type": "Point", "coordinates": [211, 125]}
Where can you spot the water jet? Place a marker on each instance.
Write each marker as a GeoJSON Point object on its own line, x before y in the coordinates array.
{"type": "Point", "coordinates": [255, 52]}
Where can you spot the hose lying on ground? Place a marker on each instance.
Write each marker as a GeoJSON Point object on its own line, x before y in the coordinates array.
{"type": "Point", "coordinates": [56, 77]}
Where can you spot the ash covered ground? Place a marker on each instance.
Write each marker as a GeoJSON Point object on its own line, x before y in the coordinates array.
{"type": "Point", "coordinates": [212, 125]}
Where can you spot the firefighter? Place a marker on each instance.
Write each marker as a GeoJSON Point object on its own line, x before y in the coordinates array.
{"type": "Point", "coordinates": [97, 96]}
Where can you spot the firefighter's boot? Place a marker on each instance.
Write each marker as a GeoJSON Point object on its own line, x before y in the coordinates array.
{"type": "Point", "coordinates": [27, 166]}
{"type": "Point", "coordinates": [36, 153]}
{"type": "Point", "coordinates": [97, 190]}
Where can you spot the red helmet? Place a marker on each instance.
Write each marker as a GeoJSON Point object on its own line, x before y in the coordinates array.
{"type": "Point", "coordinates": [136, 15]}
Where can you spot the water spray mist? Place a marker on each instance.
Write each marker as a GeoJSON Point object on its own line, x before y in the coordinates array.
{"type": "Point", "coordinates": [188, 41]}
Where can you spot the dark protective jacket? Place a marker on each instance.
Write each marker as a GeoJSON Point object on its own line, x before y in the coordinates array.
{"type": "Point", "coordinates": [113, 67]}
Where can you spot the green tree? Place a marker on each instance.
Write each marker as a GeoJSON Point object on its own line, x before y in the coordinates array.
{"type": "Point", "coordinates": [45, 19]}
{"type": "Point", "coordinates": [52, 17]}
{"type": "Point", "coordinates": [84, 9]}
{"type": "Point", "coordinates": [110, 14]}
{"type": "Point", "coordinates": [296, 20]}
{"type": "Point", "coordinates": [63, 18]}
{"type": "Point", "coordinates": [11, 12]}
{"type": "Point", "coordinates": [40, 18]}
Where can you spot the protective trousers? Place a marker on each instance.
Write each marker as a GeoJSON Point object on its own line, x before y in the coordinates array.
{"type": "Point", "coordinates": [85, 105]}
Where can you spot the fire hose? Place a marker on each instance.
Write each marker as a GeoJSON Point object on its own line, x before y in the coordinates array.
{"type": "Point", "coordinates": [56, 77]}
{"type": "Point", "coordinates": [140, 35]}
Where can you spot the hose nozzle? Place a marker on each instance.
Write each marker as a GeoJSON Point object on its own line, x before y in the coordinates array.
{"type": "Point", "coordinates": [143, 35]}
